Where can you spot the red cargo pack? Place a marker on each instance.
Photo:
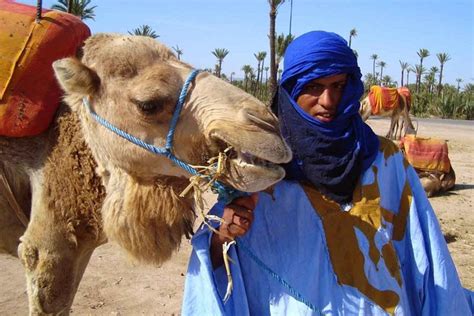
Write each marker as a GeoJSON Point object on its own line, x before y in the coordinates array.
{"type": "Point", "coordinates": [29, 93]}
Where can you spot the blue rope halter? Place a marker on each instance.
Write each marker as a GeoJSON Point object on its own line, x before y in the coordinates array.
{"type": "Point", "coordinates": [225, 193]}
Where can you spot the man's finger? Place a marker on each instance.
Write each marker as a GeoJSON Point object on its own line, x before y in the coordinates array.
{"type": "Point", "coordinates": [235, 230]}
{"type": "Point", "coordinates": [246, 201]}
{"type": "Point", "coordinates": [241, 221]}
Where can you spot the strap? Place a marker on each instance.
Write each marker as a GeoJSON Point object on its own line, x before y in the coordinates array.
{"type": "Point", "coordinates": [6, 191]}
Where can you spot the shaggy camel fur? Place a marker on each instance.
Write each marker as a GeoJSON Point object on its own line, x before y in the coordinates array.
{"type": "Point", "coordinates": [397, 114]}
{"type": "Point", "coordinates": [79, 184]}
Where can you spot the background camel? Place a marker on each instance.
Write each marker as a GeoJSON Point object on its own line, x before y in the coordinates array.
{"type": "Point", "coordinates": [79, 184]}
{"type": "Point", "coordinates": [389, 102]}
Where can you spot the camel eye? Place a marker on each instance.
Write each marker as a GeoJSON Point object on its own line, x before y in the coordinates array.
{"type": "Point", "coordinates": [149, 107]}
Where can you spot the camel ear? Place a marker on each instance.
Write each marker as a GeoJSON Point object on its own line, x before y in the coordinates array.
{"type": "Point", "coordinates": [76, 78]}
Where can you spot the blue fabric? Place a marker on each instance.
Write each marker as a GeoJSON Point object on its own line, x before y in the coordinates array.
{"type": "Point", "coordinates": [330, 155]}
{"type": "Point", "coordinates": [289, 236]}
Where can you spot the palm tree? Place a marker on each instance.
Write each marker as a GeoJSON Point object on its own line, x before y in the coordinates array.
{"type": "Point", "coordinates": [260, 56]}
{"type": "Point", "coordinates": [386, 80]}
{"type": "Point", "coordinates": [247, 69]}
{"type": "Point", "coordinates": [458, 80]}
{"type": "Point", "coordinates": [374, 57]}
{"type": "Point", "coordinates": [352, 33]}
{"type": "Point", "coordinates": [419, 70]}
{"type": "Point", "coordinates": [409, 69]}
{"type": "Point", "coordinates": [178, 51]}
{"type": "Point", "coordinates": [144, 30]}
{"type": "Point", "coordinates": [422, 53]}
{"type": "Point", "coordinates": [443, 58]}
{"type": "Point", "coordinates": [220, 54]}
{"type": "Point", "coordinates": [404, 66]}
{"type": "Point", "coordinates": [430, 78]}
{"type": "Point", "coordinates": [282, 43]}
{"type": "Point", "coordinates": [382, 65]}
{"type": "Point", "coordinates": [356, 54]}
{"type": "Point", "coordinates": [78, 8]}
{"type": "Point", "coordinates": [274, 4]}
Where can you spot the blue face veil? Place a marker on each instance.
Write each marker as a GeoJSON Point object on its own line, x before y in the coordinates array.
{"type": "Point", "coordinates": [331, 155]}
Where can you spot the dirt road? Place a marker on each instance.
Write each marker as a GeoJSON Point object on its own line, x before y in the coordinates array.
{"type": "Point", "coordinates": [112, 286]}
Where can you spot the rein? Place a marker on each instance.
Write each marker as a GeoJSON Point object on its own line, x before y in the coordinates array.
{"type": "Point", "coordinates": [225, 193]}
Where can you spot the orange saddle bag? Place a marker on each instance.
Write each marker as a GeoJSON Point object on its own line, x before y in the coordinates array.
{"type": "Point", "coordinates": [29, 93]}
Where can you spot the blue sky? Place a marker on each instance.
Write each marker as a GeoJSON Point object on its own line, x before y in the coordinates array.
{"type": "Point", "coordinates": [393, 29]}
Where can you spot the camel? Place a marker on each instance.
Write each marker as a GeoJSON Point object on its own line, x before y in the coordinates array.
{"type": "Point", "coordinates": [430, 158]}
{"type": "Point", "coordinates": [79, 185]}
{"type": "Point", "coordinates": [401, 101]}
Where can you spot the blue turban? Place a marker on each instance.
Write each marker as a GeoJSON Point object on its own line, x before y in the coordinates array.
{"type": "Point", "coordinates": [330, 155]}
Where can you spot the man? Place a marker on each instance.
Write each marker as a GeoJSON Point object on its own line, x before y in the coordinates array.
{"type": "Point", "coordinates": [350, 230]}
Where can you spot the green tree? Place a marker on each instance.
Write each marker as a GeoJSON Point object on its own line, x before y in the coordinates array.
{"type": "Point", "coordinates": [247, 69]}
{"type": "Point", "coordinates": [430, 79]}
{"type": "Point", "coordinates": [282, 43]}
{"type": "Point", "coordinates": [404, 67]}
{"type": "Point", "coordinates": [144, 30]}
{"type": "Point", "coordinates": [382, 65]}
{"type": "Point", "coordinates": [422, 53]}
{"type": "Point", "coordinates": [178, 51]}
{"type": "Point", "coordinates": [352, 33]}
{"type": "Point", "coordinates": [356, 54]}
{"type": "Point", "coordinates": [419, 71]}
{"type": "Point", "coordinates": [274, 4]}
{"type": "Point", "coordinates": [220, 54]}
{"type": "Point", "coordinates": [79, 8]}
{"type": "Point", "coordinates": [409, 69]}
{"type": "Point", "coordinates": [387, 81]}
{"type": "Point", "coordinates": [260, 56]}
{"type": "Point", "coordinates": [443, 58]}
{"type": "Point", "coordinates": [374, 57]}
{"type": "Point", "coordinates": [458, 80]}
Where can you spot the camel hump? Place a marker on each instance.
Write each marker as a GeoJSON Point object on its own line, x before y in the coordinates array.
{"type": "Point", "coordinates": [28, 51]}
{"type": "Point", "coordinates": [383, 99]}
{"type": "Point", "coordinates": [405, 93]}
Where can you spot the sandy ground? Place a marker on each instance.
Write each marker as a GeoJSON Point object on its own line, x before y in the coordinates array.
{"type": "Point", "coordinates": [112, 286]}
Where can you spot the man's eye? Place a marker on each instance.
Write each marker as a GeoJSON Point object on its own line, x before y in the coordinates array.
{"type": "Point", "coordinates": [341, 85]}
{"type": "Point", "coordinates": [313, 87]}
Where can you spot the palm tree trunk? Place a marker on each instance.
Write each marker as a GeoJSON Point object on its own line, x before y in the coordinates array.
{"type": "Point", "coordinates": [69, 6]}
{"type": "Point", "coordinates": [401, 81]}
{"type": "Point", "coordinates": [273, 70]}
{"type": "Point", "coordinates": [219, 69]}
{"type": "Point", "coordinates": [373, 69]}
{"type": "Point", "coordinates": [258, 79]}
{"type": "Point", "coordinates": [440, 87]}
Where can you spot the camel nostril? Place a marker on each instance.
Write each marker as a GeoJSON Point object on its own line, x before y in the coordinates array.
{"type": "Point", "coordinates": [267, 123]}
{"type": "Point", "coordinates": [29, 256]}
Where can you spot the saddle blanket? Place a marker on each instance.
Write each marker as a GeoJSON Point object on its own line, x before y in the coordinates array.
{"type": "Point", "coordinates": [426, 154]}
{"type": "Point", "coordinates": [383, 99]}
{"type": "Point", "coordinates": [29, 93]}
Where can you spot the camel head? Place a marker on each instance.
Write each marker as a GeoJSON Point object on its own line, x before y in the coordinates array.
{"type": "Point", "coordinates": [134, 83]}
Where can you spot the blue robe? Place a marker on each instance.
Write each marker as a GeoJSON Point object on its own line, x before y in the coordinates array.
{"type": "Point", "coordinates": [385, 255]}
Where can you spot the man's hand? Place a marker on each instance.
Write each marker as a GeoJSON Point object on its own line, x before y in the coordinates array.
{"type": "Point", "coordinates": [238, 217]}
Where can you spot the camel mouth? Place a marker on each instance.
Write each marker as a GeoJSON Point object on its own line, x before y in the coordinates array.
{"type": "Point", "coordinates": [241, 157]}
